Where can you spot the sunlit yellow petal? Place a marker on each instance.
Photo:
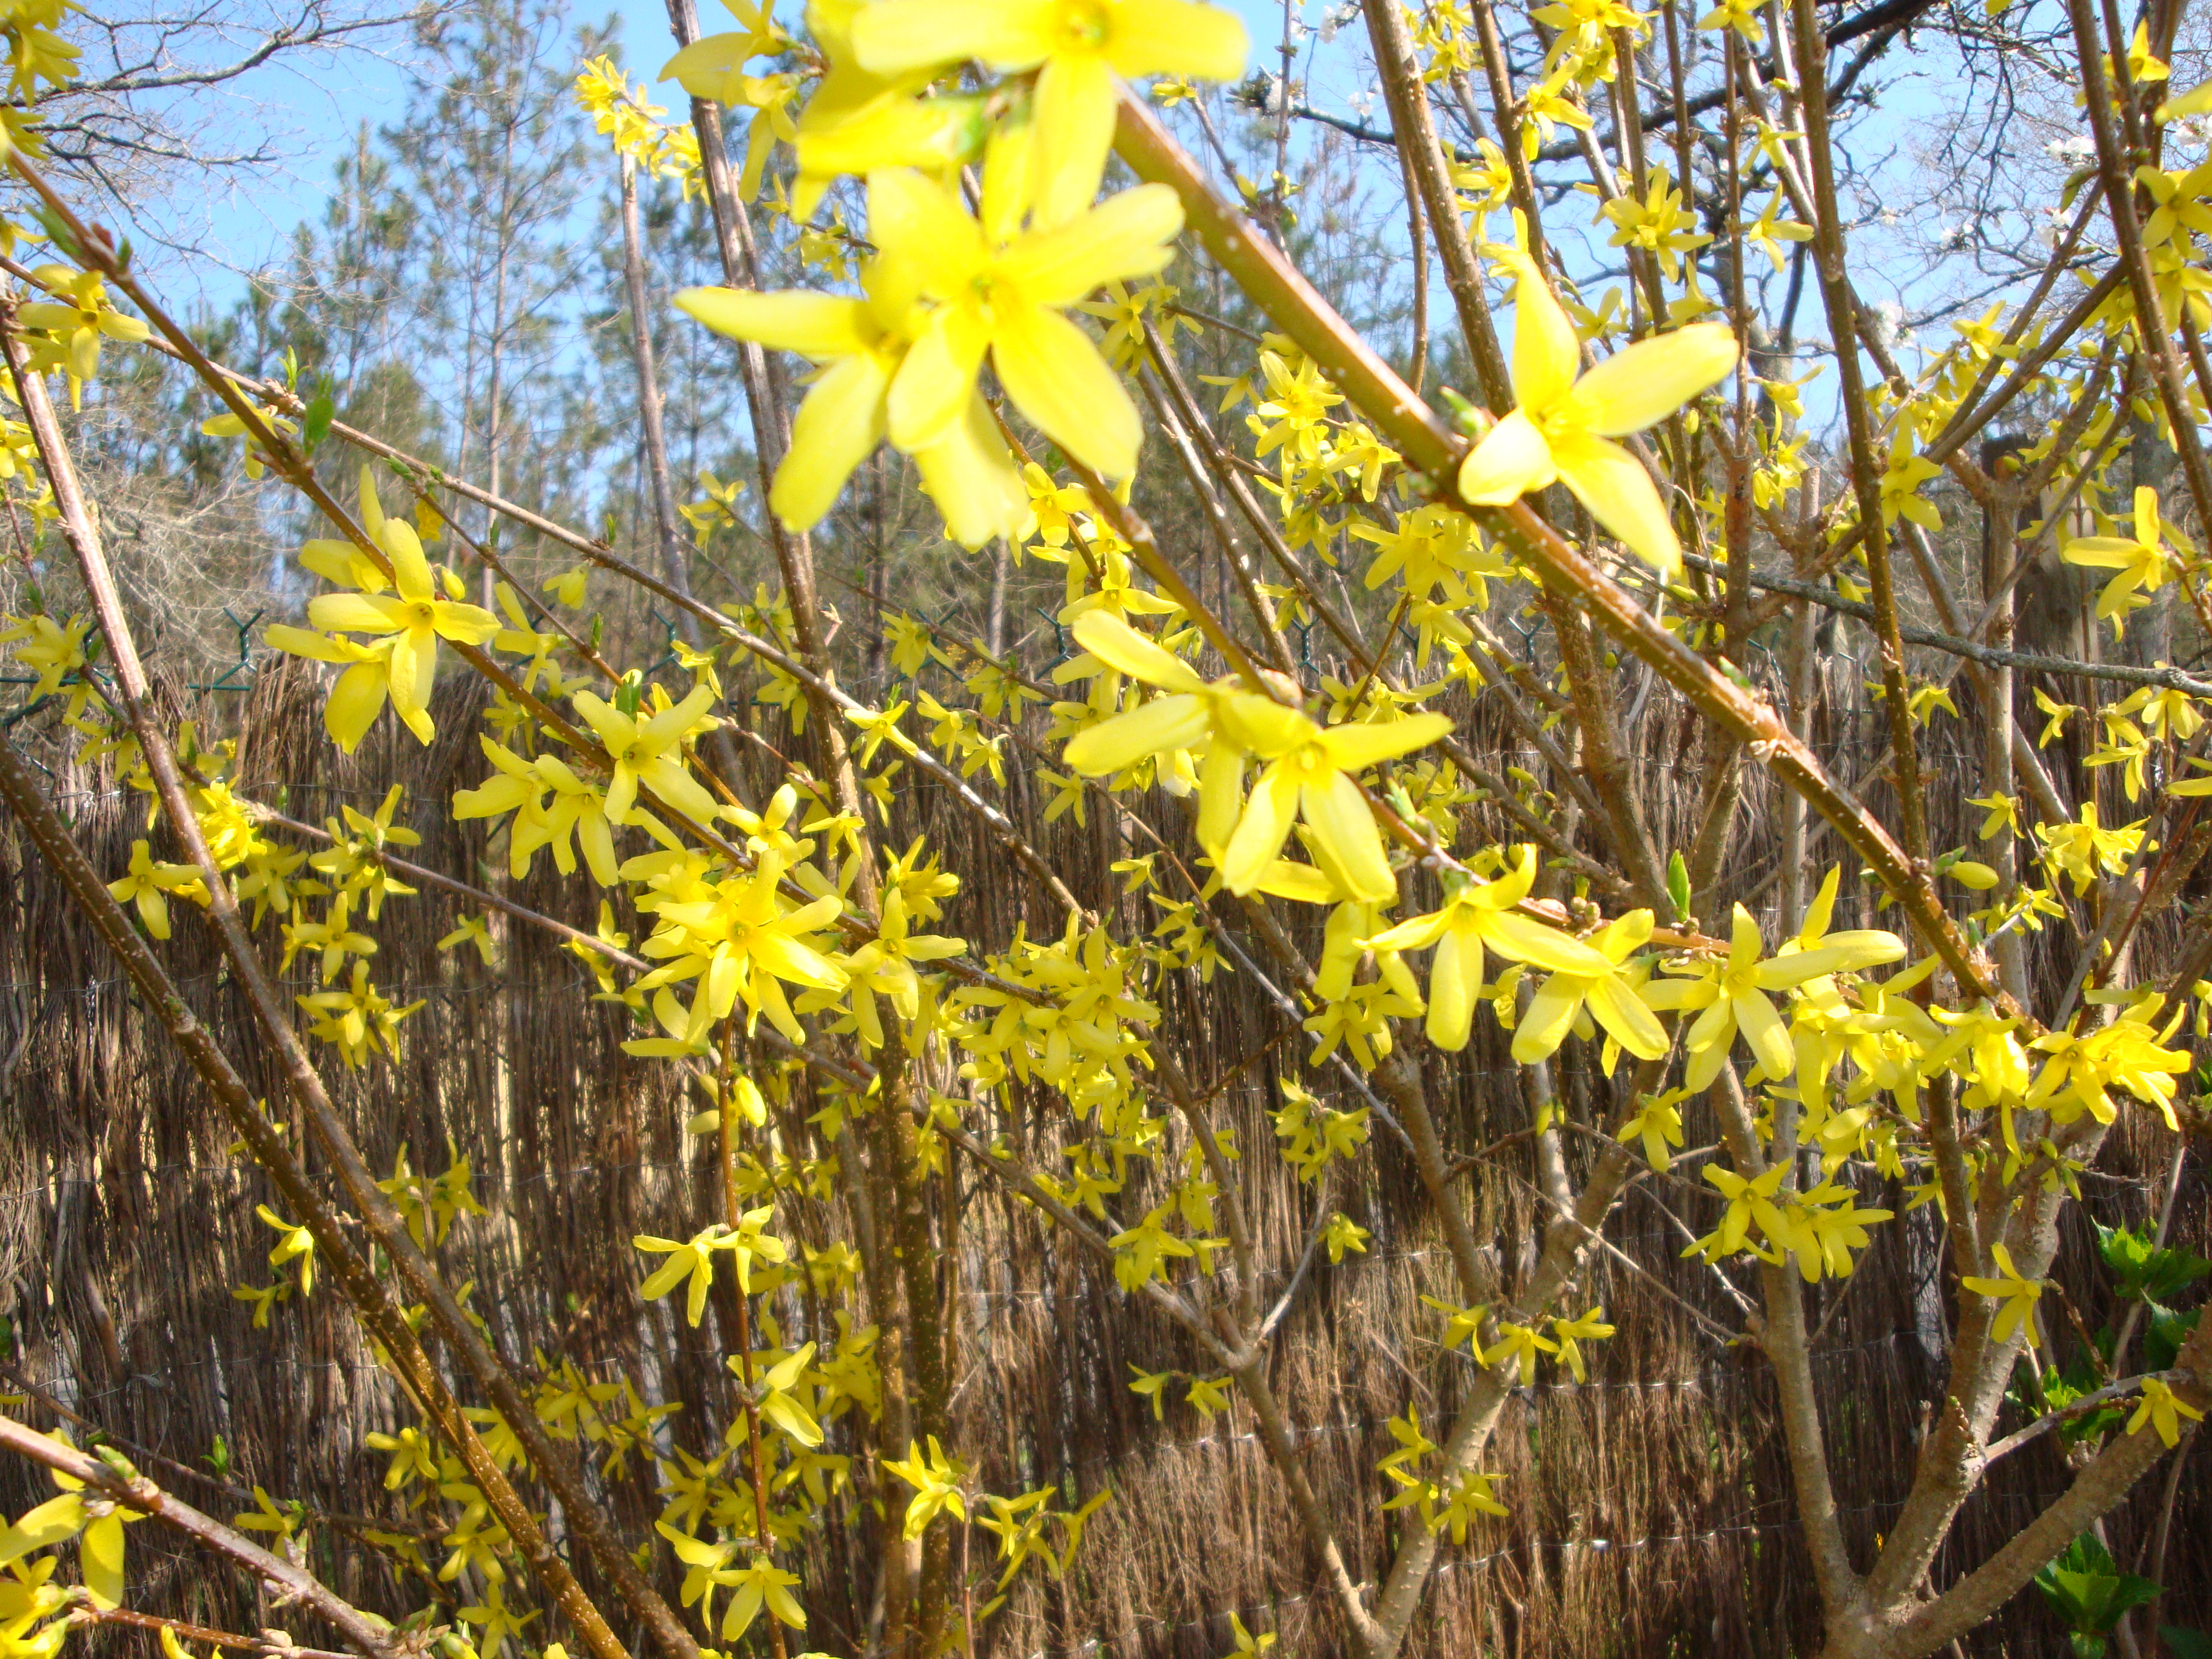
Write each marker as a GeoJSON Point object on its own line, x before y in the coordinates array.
{"type": "Point", "coordinates": [1620, 494]}
{"type": "Point", "coordinates": [356, 613]}
{"type": "Point", "coordinates": [1355, 748]}
{"type": "Point", "coordinates": [1265, 727]}
{"type": "Point", "coordinates": [1301, 882]}
{"type": "Point", "coordinates": [1762, 1030]}
{"type": "Point", "coordinates": [1545, 353]}
{"type": "Point", "coordinates": [1220, 793]}
{"type": "Point", "coordinates": [470, 624]}
{"type": "Point", "coordinates": [813, 325]}
{"type": "Point", "coordinates": [1174, 36]}
{"type": "Point", "coordinates": [1339, 816]}
{"type": "Point", "coordinates": [1072, 125]}
{"type": "Point", "coordinates": [1175, 722]}
{"type": "Point", "coordinates": [1452, 984]}
{"type": "Point", "coordinates": [907, 210]}
{"type": "Point", "coordinates": [1124, 236]}
{"type": "Point", "coordinates": [355, 702]}
{"type": "Point", "coordinates": [1260, 833]}
{"type": "Point", "coordinates": [1055, 376]}
{"type": "Point", "coordinates": [1116, 644]}
{"type": "Point", "coordinates": [836, 429]}
{"type": "Point", "coordinates": [99, 1553]}
{"type": "Point", "coordinates": [410, 571]}
{"type": "Point", "coordinates": [301, 642]}
{"type": "Point", "coordinates": [1646, 382]}
{"type": "Point", "coordinates": [1627, 1019]}
{"type": "Point", "coordinates": [2147, 515]}
{"type": "Point", "coordinates": [894, 36]}
{"type": "Point", "coordinates": [1526, 939]}
{"type": "Point", "coordinates": [969, 475]}
{"type": "Point", "coordinates": [934, 382]}
{"type": "Point", "coordinates": [1511, 460]}
{"type": "Point", "coordinates": [1836, 953]}
{"type": "Point", "coordinates": [1543, 1026]}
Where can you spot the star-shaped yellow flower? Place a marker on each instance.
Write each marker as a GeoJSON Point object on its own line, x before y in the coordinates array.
{"type": "Point", "coordinates": [1565, 427]}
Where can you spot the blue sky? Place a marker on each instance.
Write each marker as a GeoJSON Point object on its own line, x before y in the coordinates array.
{"type": "Point", "coordinates": [312, 118]}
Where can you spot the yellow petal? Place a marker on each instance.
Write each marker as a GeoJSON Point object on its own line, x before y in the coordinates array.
{"type": "Point", "coordinates": [1260, 833]}
{"type": "Point", "coordinates": [1550, 1015]}
{"type": "Point", "coordinates": [1175, 722]}
{"type": "Point", "coordinates": [355, 702]}
{"type": "Point", "coordinates": [356, 613]}
{"type": "Point", "coordinates": [54, 1521]}
{"type": "Point", "coordinates": [1174, 37]}
{"type": "Point", "coordinates": [1124, 236]}
{"type": "Point", "coordinates": [913, 214]}
{"type": "Point", "coordinates": [1545, 354]}
{"type": "Point", "coordinates": [470, 624]}
{"type": "Point", "coordinates": [971, 478]}
{"type": "Point", "coordinates": [1836, 953]}
{"type": "Point", "coordinates": [2102, 552]}
{"type": "Point", "coordinates": [1071, 128]}
{"type": "Point", "coordinates": [101, 1557]}
{"type": "Point", "coordinates": [1301, 882]}
{"type": "Point", "coordinates": [1220, 793]}
{"type": "Point", "coordinates": [2198, 101]}
{"type": "Point", "coordinates": [1526, 939]}
{"type": "Point", "coordinates": [1343, 826]}
{"type": "Point", "coordinates": [814, 324]}
{"type": "Point", "coordinates": [1262, 725]}
{"type": "Point", "coordinates": [1511, 460]}
{"type": "Point", "coordinates": [1413, 934]}
{"type": "Point", "coordinates": [894, 36]}
{"type": "Point", "coordinates": [300, 642]}
{"type": "Point", "coordinates": [1648, 381]}
{"type": "Point", "coordinates": [1116, 644]}
{"type": "Point", "coordinates": [1769, 1037]}
{"type": "Point", "coordinates": [1452, 983]}
{"type": "Point", "coordinates": [1355, 748]}
{"type": "Point", "coordinates": [713, 68]}
{"type": "Point", "coordinates": [413, 671]}
{"type": "Point", "coordinates": [410, 571]}
{"type": "Point", "coordinates": [1613, 484]}
{"type": "Point", "coordinates": [933, 384]}
{"type": "Point", "coordinates": [1055, 376]}
{"type": "Point", "coordinates": [2147, 515]}
{"type": "Point", "coordinates": [1623, 1014]}
{"type": "Point", "coordinates": [836, 429]}
{"type": "Point", "coordinates": [372, 509]}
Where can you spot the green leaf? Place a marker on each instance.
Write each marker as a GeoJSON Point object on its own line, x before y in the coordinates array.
{"type": "Point", "coordinates": [1465, 415]}
{"type": "Point", "coordinates": [2090, 1593]}
{"type": "Point", "coordinates": [1678, 882]}
{"type": "Point", "coordinates": [57, 232]}
{"type": "Point", "coordinates": [317, 425]}
{"type": "Point", "coordinates": [2163, 1337]}
{"type": "Point", "coordinates": [2186, 1643]}
{"type": "Point", "coordinates": [2145, 1271]}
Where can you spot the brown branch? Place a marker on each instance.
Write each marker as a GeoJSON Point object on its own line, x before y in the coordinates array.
{"type": "Point", "coordinates": [365, 1633]}
{"type": "Point", "coordinates": [588, 1520]}
{"type": "Point", "coordinates": [1274, 284]}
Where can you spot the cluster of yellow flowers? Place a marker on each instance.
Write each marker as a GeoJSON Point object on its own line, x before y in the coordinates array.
{"type": "Point", "coordinates": [663, 148]}
{"type": "Point", "coordinates": [1339, 796]}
